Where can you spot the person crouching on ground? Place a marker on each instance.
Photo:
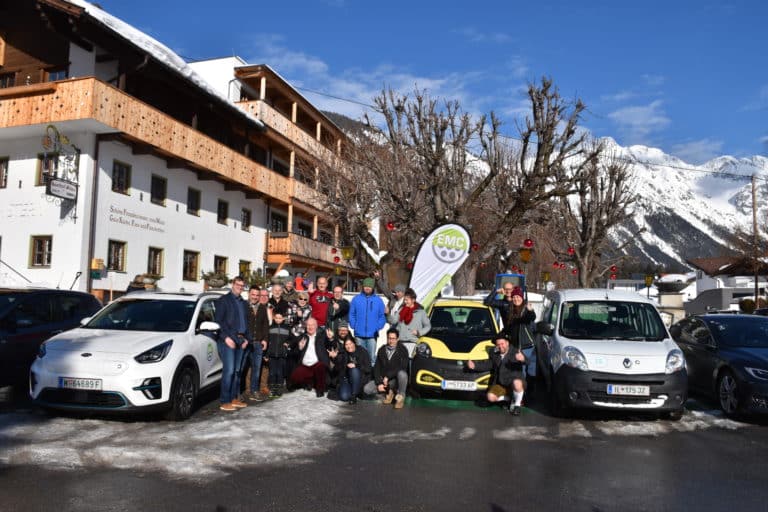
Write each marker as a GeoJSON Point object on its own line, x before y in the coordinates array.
{"type": "Point", "coordinates": [507, 376]}
{"type": "Point", "coordinates": [356, 370]}
{"type": "Point", "coordinates": [314, 360]}
{"type": "Point", "coordinates": [390, 372]}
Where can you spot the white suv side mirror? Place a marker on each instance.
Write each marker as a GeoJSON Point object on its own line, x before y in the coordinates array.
{"type": "Point", "coordinates": [209, 326]}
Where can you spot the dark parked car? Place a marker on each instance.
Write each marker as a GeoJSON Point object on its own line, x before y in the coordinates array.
{"type": "Point", "coordinates": [29, 316]}
{"type": "Point", "coordinates": [727, 358]}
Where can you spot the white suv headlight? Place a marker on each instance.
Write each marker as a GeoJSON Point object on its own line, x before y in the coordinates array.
{"type": "Point", "coordinates": [574, 358]}
{"type": "Point", "coordinates": [675, 361]}
{"type": "Point", "coordinates": [155, 354]}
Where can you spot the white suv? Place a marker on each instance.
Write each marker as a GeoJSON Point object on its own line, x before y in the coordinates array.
{"type": "Point", "coordinates": [608, 349]}
{"type": "Point", "coordinates": [143, 352]}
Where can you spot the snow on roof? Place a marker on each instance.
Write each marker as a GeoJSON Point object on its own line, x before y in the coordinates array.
{"type": "Point", "coordinates": [159, 51]}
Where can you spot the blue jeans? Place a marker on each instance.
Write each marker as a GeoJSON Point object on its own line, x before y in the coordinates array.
{"type": "Point", "coordinates": [349, 387]}
{"type": "Point", "coordinates": [231, 365]}
{"type": "Point", "coordinates": [369, 344]}
{"type": "Point", "coordinates": [256, 352]}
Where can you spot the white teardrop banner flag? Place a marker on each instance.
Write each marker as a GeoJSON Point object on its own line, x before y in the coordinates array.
{"type": "Point", "coordinates": [441, 254]}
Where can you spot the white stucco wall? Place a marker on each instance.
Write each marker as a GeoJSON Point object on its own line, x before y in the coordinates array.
{"type": "Point", "coordinates": [26, 210]}
{"type": "Point", "coordinates": [220, 74]}
{"type": "Point", "coordinates": [134, 219]}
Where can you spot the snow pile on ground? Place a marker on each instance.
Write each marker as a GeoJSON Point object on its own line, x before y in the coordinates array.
{"type": "Point", "coordinates": [294, 428]}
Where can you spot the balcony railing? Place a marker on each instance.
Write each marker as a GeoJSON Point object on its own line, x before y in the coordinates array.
{"type": "Point", "coordinates": [285, 127]}
{"type": "Point", "coordinates": [285, 247]}
{"type": "Point", "coordinates": [89, 98]}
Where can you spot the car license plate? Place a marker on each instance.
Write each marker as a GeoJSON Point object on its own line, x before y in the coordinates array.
{"type": "Point", "coordinates": [73, 383]}
{"type": "Point", "coordinates": [623, 389]}
{"type": "Point", "coordinates": [458, 385]}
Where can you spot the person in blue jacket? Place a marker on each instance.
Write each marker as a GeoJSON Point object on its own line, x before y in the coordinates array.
{"type": "Point", "coordinates": [366, 317]}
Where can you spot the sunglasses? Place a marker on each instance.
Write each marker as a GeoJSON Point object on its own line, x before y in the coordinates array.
{"type": "Point", "coordinates": [303, 300]}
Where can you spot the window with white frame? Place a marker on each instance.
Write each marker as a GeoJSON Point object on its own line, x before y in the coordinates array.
{"type": "Point", "coordinates": [116, 256]}
{"type": "Point", "coordinates": [121, 177]}
{"type": "Point", "coordinates": [245, 219]}
{"type": "Point", "coordinates": [159, 190]}
{"type": "Point", "coordinates": [3, 172]}
{"type": "Point", "coordinates": [155, 261]}
{"type": "Point", "coordinates": [41, 251]}
{"type": "Point", "coordinates": [190, 266]}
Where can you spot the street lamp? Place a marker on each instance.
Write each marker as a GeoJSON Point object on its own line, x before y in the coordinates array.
{"type": "Point", "coordinates": [347, 252]}
{"type": "Point", "coordinates": [648, 283]}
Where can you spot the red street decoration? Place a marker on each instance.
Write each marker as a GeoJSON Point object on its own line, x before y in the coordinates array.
{"type": "Point", "coordinates": [410, 266]}
{"type": "Point", "coordinates": [571, 251]}
{"type": "Point", "coordinates": [613, 277]}
{"type": "Point", "coordinates": [614, 268]}
{"type": "Point", "coordinates": [333, 250]}
{"type": "Point", "coordinates": [562, 266]}
{"type": "Point", "coordinates": [514, 268]}
{"type": "Point", "coordinates": [390, 226]}
{"type": "Point", "coordinates": [336, 259]}
{"type": "Point", "coordinates": [575, 271]}
{"type": "Point", "coordinates": [475, 247]}
{"type": "Point", "coordinates": [527, 243]}
{"type": "Point", "coordinates": [556, 265]}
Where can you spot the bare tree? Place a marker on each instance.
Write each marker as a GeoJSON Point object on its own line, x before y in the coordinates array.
{"type": "Point", "coordinates": [419, 171]}
{"type": "Point", "coordinates": [602, 201]}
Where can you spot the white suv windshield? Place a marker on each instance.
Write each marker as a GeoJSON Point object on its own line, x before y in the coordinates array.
{"type": "Point", "coordinates": [145, 315]}
{"type": "Point", "coordinates": [611, 320]}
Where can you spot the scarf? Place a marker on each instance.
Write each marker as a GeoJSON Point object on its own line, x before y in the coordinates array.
{"type": "Point", "coordinates": [406, 313]}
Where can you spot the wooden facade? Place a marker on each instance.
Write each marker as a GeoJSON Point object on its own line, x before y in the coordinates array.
{"type": "Point", "coordinates": [158, 110]}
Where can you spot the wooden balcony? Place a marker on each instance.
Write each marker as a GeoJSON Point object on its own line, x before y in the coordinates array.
{"type": "Point", "coordinates": [297, 249]}
{"type": "Point", "coordinates": [283, 125]}
{"type": "Point", "coordinates": [89, 98]}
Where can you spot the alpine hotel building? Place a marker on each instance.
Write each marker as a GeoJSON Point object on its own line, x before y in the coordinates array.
{"type": "Point", "coordinates": [118, 158]}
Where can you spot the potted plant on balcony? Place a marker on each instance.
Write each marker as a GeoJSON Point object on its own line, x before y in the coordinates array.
{"type": "Point", "coordinates": [214, 279]}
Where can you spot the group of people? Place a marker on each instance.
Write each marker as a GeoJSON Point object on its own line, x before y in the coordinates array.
{"type": "Point", "coordinates": [315, 339]}
{"type": "Point", "coordinates": [507, 362]}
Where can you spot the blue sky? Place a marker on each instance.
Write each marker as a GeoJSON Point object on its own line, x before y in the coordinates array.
{"type": "Point", "coordinates": [689, 77]}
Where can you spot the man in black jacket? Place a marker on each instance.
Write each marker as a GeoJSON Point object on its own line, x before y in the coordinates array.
{"type": "Point", "coordinates": [507, 376]}
{"type": "Point", "coordinates": [313, 359]}
{"type": "Point", "coordinates": [390, 372]}
{"type": "Point", "coordinates": [338, 311]}
{"type": "Point", "coordinates": [233, 340]}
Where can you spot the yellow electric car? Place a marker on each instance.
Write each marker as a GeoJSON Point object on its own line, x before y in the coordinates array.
{"type": "Point", "coordinates": [461, 330]}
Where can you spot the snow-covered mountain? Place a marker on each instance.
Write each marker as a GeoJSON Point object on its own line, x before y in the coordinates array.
{"type": "Point", "coordinates": [683, 210]}
{"type": "Point", "coordinates": [690, 211]}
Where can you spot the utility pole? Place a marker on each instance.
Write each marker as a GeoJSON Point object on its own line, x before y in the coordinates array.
{"type": "Point", "coordinates": [755, 253]}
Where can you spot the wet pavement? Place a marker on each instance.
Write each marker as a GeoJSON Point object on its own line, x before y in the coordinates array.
{"type": "Point", "coordinates": [304, 453]}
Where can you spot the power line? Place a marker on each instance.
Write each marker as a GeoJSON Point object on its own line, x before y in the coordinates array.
{"type": "Point", "coordinates": [624, 159]}
{"type": "Point", "coordinates": [336, 97]}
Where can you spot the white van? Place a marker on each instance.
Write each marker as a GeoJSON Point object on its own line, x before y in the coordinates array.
{"type": "Point", "coordinates": [608, 349]}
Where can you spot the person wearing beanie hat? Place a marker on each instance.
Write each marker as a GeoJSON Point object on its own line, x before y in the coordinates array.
{"type": "Point", "coordinates": [397, 301]}
{"type": "Point", "coordinates": [367, 316]}
{"type": "Point", "coordinates": [517, 292]}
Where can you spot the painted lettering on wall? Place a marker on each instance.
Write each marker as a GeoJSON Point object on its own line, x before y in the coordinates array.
{"type": "Point", "coordinates": [126, 217]}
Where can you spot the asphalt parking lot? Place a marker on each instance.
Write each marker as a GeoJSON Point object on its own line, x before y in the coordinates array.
{"type": "Point", "coordinates": [304, 453]}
